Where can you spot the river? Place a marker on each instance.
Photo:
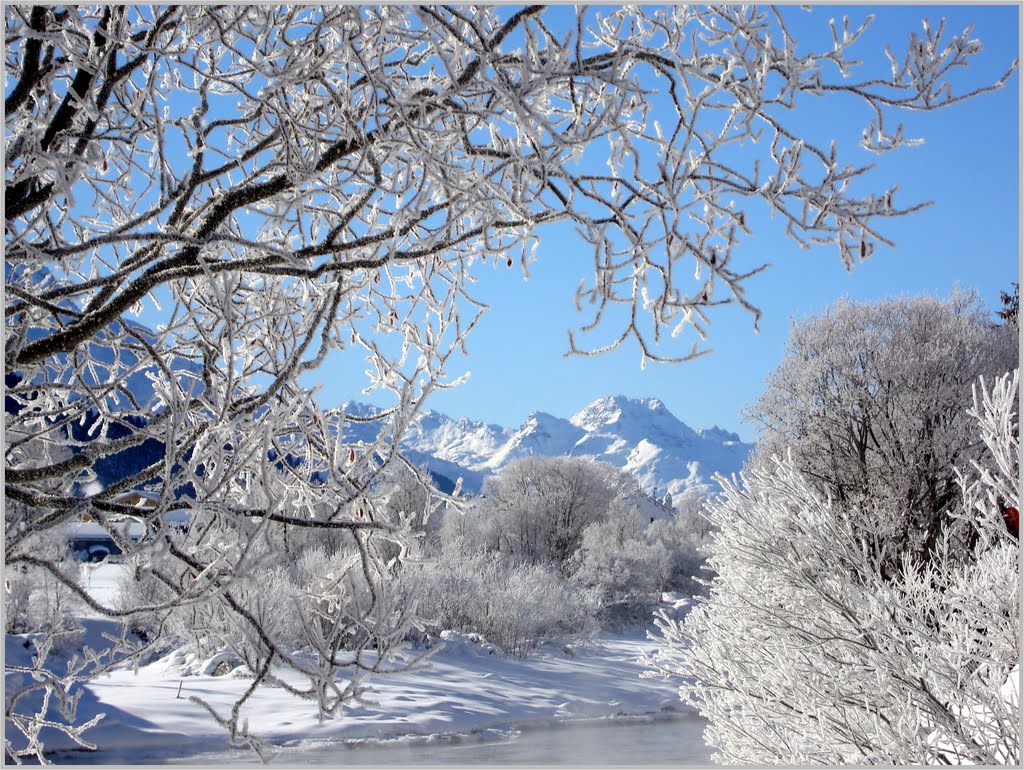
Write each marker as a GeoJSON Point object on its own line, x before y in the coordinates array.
{"type": "Point", "coordinates": [675, 741]}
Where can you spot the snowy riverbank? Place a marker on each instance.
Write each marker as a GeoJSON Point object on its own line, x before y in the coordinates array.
{"type": "Point", "coordinates": [465, 688]}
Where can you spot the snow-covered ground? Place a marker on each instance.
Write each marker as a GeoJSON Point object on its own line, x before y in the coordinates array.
{"type": "Point", "coordinates": [466, 688]}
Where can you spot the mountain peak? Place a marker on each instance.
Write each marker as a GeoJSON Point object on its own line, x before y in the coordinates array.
{"type": "Point", "coordinates": [632, 418]}
{"type": "Point", "coordinates": [609, 409]}
{"type": "Point", "coordinates": [542, 434]}
{"type": "Point", "coordinates": [714, 433]}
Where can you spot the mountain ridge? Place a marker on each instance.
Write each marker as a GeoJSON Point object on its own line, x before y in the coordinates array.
{"type": "Point", "coordinates": [639, 435]}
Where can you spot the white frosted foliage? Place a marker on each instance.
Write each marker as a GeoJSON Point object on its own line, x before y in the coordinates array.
{"type": "Point", "coordinates": [807, 650]}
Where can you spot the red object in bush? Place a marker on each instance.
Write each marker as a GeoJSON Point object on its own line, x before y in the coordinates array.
{"type": "Point", "coordinates": [1012, 518]}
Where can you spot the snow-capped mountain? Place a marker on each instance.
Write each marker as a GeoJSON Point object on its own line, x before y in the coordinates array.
{"type": "Point", "coordinates": [639, 435]}
{"type": "Point", "coordinates": [542, 434]}
{"type": "Point", "coordinates": [461, 441]}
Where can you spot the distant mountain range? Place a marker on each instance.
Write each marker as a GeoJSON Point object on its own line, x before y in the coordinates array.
{"type": "Point", "coordinates": [641, 436]}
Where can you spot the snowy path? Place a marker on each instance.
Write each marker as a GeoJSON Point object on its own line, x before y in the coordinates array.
{"type": "Point", "coordinates": [466, 688]}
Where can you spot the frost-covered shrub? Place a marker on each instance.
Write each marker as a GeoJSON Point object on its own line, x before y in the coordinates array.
{"type": "Point", "coordinates": [138, 588]}
{"type": "Point", "coordinates": [625, 561]}
{"type": "Point", "coordinates": [462, 533]}
{"type": "Point", "coordinates": [681, 547]}
{"type": "Point", "coordinates": [807, 650]}
{"type": "Point", "coordinates": [618, 561]}
{"type": "Point", "coordinates": [512, 605]}
{"type": "Point", "coordinates": [272, 599]}
{"type": "Point", "coordinates": [532, 601]}
{"type": "Point", "coordinates": [452, 594]}
{"type": "Point", "coordinates": [35, 599]}
{"type": "Point", "coordinates": [690, 514]}
{"type": "Point", "coordinates": [296, 602]}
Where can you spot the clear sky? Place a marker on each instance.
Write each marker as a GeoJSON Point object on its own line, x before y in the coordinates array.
{"type": "Point", "coordinates": [969, 166]}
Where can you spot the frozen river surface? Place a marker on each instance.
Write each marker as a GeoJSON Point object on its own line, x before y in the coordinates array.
{"type": "Point", "coordinates": [667, 741]}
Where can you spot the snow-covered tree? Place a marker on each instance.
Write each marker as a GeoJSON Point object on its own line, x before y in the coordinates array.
{"type": "Point", "coordinates": [625, 560]}
{"type": "Point", "coordinates": [869, 400]}
{"type": "Point", "coordinates": [537, 508]}
{"type": "Point", "coordinates": [805, 651]}
{"type": "Point", "coordinates": [203, 202]}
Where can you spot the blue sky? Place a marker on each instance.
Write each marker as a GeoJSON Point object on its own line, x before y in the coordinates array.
{"type": "Point", "coordinates": [969, 166]}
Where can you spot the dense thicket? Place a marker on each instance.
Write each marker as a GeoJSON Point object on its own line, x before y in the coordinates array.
{"type": "Point", "coordinates": [555, 547]}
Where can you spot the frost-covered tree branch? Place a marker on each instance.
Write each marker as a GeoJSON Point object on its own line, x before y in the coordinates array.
{"type": "Point", "coordinates": [202, 203]}
{"type": "Point", "coordinates": [357, 142]}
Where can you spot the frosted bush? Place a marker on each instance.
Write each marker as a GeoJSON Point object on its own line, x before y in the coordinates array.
{"type": "Point", "coordinates": [512, 605]}
{"type": "Point", "coordinates": [624, 561]}
{"type": "Point", "coordinates": [681, 545]}
{"type": "Point", "coordinates": [810, 649]}
{"type": "Point", "coordinates": [619, 561]}
{"type": "Point", "coordinates": [534, 601]}
{"type": "Point", "coordinates": [36, 600]}
{"type": "Point", "coordinates": [690, 515]}
{"type": "Point", "coordinates": [139, 588]}
{"type": "Point", "coordinates": [293, 602]}
{"type": "Point", "coordinates": [451, 594]}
